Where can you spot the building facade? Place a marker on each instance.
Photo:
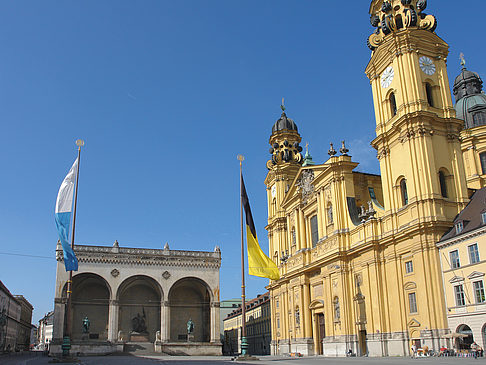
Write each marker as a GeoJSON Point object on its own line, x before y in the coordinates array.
{"type": "Point", "coordinates": [44, 331]}
{"type": "Point", "coordinates": [357, 252]}
{"type": "Point", "coordinates": [24, 328]}
{"type": "Point", "coordinates": [10, 309]}
{"type": "Point", "coordinates": [140, 295]}
{"type": "Point", "coordinates": [258, 327]}
{"type": "Point", "coordinates": [462, 257]}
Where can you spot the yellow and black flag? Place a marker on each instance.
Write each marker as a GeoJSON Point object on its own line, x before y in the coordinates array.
{"type": "Point", "coordinates": [259, 264]}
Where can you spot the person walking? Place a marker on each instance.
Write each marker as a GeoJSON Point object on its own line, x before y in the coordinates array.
{"type": "Point", "coordinates": [474, 349]}
{"type": "Point", "coordinates": [414, 351]}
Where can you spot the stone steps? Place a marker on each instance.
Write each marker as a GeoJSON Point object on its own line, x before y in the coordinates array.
{"type": "Point", "coordinates": [139, 348]}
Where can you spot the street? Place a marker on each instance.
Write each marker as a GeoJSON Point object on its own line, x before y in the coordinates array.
{"type": "Point", "coordinates": [34, 359]}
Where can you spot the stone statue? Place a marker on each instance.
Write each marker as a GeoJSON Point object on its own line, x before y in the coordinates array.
{"type": "Point", "coordinates": [86, 324]}
{"type": "Point", "coordinates": [190, 326]}
{"type": "Point", "coordinates": [138, 323]}
{"type": "Point", "coordinates": [157, 336]}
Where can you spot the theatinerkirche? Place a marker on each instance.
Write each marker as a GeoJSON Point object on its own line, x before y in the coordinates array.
{"type": "Point", "coordinates": [357, 252]}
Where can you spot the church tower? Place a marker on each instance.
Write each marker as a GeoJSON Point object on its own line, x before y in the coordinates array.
{"type": "Point", "coordinates": [283, 166]}
{"type": "Point", "coordinates": [417, 133]}
{"type": "Point", "coordinates": [471, 107]}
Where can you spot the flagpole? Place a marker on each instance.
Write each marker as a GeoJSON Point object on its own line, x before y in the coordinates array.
{"type": "Point", "coordinates": [67, 336]}
{"type": "Point", "coordinates": [244, 343]}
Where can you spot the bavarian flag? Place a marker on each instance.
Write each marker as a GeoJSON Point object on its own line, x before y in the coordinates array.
{"type": "Point", "coordinates": [259, 264]}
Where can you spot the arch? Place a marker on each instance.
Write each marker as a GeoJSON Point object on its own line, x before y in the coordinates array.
{"type": "Point", "coordinates": [316, 304]}
{"type": "Point", "coordinates": [90, 298]}
{"type": "Point", "coordinates": [409, 285]}
{"type": "Point", "coordinates": [483, 334]}
{"type": "Point", "coordinates": [190, 298]}
{"type": "Point", "coordinates": [139, 299]}
{"type": "Point", "coordinates": [464, 343]}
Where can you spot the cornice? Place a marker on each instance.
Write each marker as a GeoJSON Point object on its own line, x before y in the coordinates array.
{"type": "Point", "coordinates": [145, 257]}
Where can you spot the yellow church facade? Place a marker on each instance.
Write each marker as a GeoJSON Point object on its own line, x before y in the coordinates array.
{"type": "Point", "coordinates": [359, 267]}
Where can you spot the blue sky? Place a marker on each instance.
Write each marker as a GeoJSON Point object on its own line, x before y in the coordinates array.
{"type": "Point", "coordinates": [166, 94]}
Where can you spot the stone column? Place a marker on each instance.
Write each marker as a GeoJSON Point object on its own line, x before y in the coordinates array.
{"type": "Point", "coordinates": [214, 322]}
{"type": "Point", "coordinates": [58, 320]}
{"type": "Point", "coordinates": [306, 311]}
{"type": "Point", "coordinates": [113, 312]}
{"type": "Point", "coordinates": [164, 321]}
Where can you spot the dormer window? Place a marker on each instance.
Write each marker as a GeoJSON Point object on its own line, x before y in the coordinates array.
{"type": "Point", "coordinates": [483, 217]}
{"type": "Point", "coordinates": [459, 227]}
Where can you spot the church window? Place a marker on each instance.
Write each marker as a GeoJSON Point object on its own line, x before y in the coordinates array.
{"type": "Point", "coordinates": [330, 218]}
{"type": "Point", "coordinates": [393, 104]}
{"type": "Point", "coordinates": [412, 302]}
{"type": "Point", "coordinates": [294, 237]}
{"type": "Point", "coordinates": [403, 191]}
{"type": "Point", "coordinates": [278, 322]}
{"type": "Point", "coordinates": [443, 185]}
{"type": "Point", "coordinates": [297, 317]}
{"type": "Point", "coordinates": [428, 91]}
{"type": "Point", "coordinates": [459, 293]}
{"type": "Point", "coordinates": [482, 158]}
{"type": "Point", "coordinates": [314, 230]}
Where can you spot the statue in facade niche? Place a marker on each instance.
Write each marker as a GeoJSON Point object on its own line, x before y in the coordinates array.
{"type": "Point", "coordinates": [86, 324]}
{"type": "Point", "coordinates": [190, 326]}
{"type": "Point", "coordinates": [138, 323]}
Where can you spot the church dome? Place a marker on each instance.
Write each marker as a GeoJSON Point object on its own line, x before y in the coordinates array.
{"type": "Point", "coordinates": [284, 123]}
{"type": "Point", "coordinates": [470, 99]}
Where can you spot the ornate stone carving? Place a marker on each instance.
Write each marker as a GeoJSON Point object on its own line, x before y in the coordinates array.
{"type": "Point", "coordinates": [389, 19]}
{"type": "Point", "coordinates": [166, 275]}
{"type": "Point", "coordinates": [115, 273]}
{"type": "Point", "coordinates": [304, 185]}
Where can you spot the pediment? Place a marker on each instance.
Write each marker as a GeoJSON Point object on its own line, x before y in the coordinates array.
{"type": "Point", "coordinates": [475, 275]}
{"type": "Point", "coordinates": [414, 323]}
{"type": "Point", "coordinates": [456, 279]}
{"type": "Point", "coordinates": [409, 285]}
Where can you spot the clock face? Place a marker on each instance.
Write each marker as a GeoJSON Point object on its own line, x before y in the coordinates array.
{"type": "Point", "coordinates": [274, 191]}
{"type": "Point", "coordinates": [387, 77]}
{"type": "Point", "coordinates": [427, 65]}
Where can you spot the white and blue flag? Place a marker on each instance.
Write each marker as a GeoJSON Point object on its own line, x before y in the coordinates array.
{"type": "Point", "coordinates": [64, 207]}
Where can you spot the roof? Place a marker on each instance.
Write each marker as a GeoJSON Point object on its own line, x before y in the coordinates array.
{"type": "Point", "coordinates": [470, 216]}
{"type": "Point", "coordinates": [253, 303]}
{"type": "Point", "coordinates": [5, 289]}
{"type": "Point", "coordinates": [284, 123]}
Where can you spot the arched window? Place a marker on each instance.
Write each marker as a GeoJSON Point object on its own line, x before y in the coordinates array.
{"type": "Point", "coordinates": [393, 104]}
{"type": "Point", "coordinates": [428, 91]}
{"type": "Point", "coordinates": [294, 237]}
{"type": "Point", "coordinates": [330, 218]}
{"type": "Point", "coordinates": [403, 192]}
{"type": "Point", "coordinates": [443, 184]}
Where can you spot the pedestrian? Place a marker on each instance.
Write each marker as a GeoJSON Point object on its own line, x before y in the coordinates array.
{"type": "Point", "coordinates": [474, 349]}
{"type": "Point", "coordinates": [414, 351]}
